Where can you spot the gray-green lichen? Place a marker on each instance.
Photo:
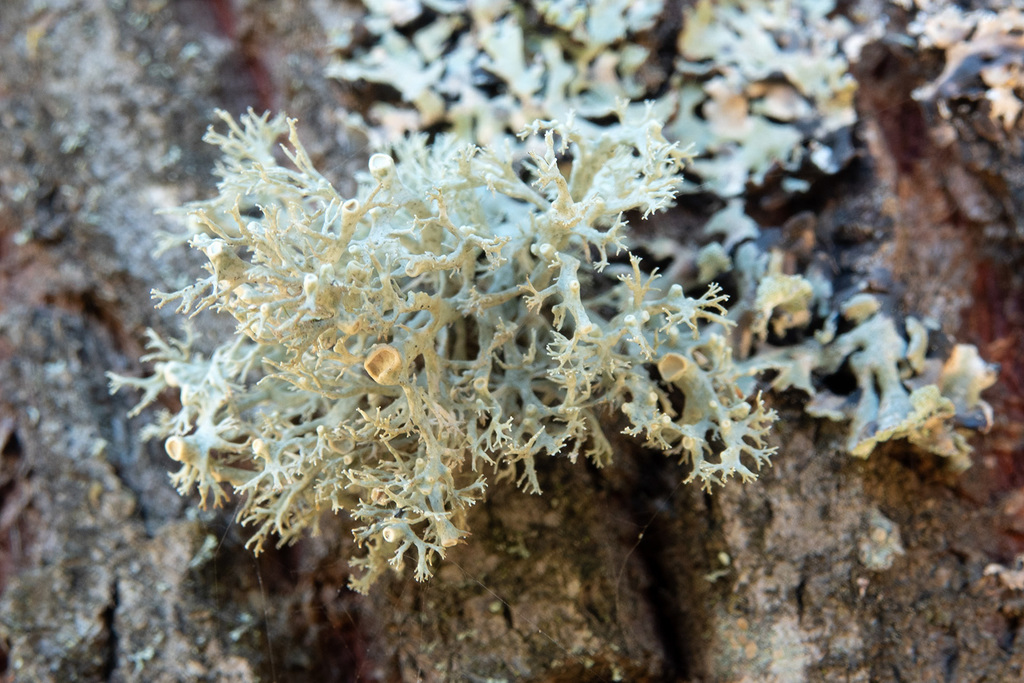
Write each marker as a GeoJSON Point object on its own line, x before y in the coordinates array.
{"type": "Point", "coordinates": [478, 303]}
{"type": "Point", "coordinates": [761, 85]}
{"type": "Point", "coordinates": [460, 315]}
{"type": "Point", "coordinates": [880, 543]}
{"type": "Point", "coordinates": [755, 85]}
{"type": "Point", "coordinates": [900, 394]}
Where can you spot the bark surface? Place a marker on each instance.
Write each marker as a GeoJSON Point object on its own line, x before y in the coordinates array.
{"type": "Point", "coordinates": [615, 574]}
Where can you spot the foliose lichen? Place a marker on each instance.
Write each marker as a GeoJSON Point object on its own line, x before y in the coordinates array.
{"type": "Point", "coordinates": [983, 57]}
{"type": "Point", "coordinates": [754, 86]}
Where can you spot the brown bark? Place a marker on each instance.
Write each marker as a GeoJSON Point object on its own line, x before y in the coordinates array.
{"type": "Point", "coordinates": [614, 574]}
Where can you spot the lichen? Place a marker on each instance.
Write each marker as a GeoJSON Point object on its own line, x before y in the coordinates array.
{"type": "Point", "coordinates": [761, 84]}
{"type": "Point", "coordinates": [756, 85]}
{"type": "Point", "coordinates": [463, 314]}
{"type": "Point", "coordinates": [479, 303]}
{"type": "Point", "coordinates": [487, 69]}
{"type": "Point", "coordinates": [983, 51]}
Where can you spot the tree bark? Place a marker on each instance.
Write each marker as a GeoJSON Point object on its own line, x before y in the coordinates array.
{"type": "Point", "coordinates": [614, 574]}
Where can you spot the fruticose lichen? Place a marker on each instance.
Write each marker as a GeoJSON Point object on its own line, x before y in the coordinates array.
{"type": "Point", "coordinates": [479, 302]}
{"type": "Point", "coordinates": [461, 314]}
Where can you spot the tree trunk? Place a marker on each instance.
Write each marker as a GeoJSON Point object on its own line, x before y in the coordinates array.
{"type": "Point", "coordinates": [619, 573]}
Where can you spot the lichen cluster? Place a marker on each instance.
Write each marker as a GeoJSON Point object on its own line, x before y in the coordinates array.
{"type": "Point", "coordinates": [480, 303]}
{"type": "Point", "coordinates": [753, 85]}
{"type": "Point", "coordinates": [462, 314]}
{"type": "Point", "coordinates": [982, 54]}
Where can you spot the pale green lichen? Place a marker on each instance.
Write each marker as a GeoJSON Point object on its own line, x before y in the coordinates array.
{"type": "Point", "coordinates": [487, 69]}
{"type": "Point", "coordinates": [756, 85]}
{"type": "Point", "coordinates": [761, 84]}
{"type": "Point", "coordinates": [461, 314]}
{"type": "Point", "coordinates": [793, 326]}
{"type": "Point", "coordinates": [477, 305]}
{"type": "Point", "coordinates": [899, 394]}
{"type": "Point", "coordinates": [783, 300]}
